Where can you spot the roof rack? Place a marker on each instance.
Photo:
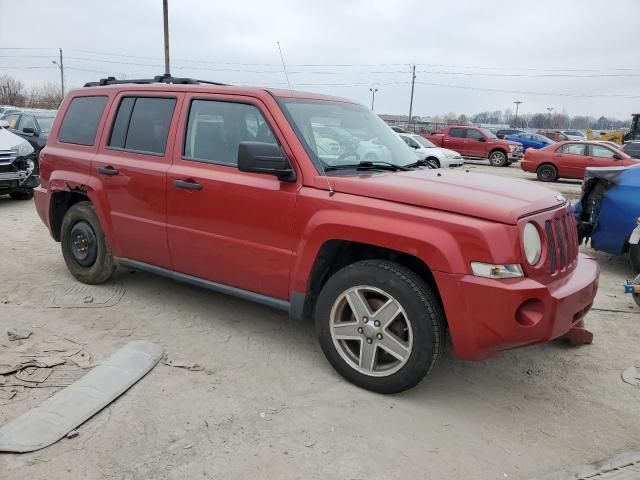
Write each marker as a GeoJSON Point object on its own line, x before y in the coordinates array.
{"type": "Point", "coordinates": [157, 79]}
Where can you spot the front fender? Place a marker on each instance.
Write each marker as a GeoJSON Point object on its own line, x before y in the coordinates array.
{"type": "Point", "coordinates": [443, 241]}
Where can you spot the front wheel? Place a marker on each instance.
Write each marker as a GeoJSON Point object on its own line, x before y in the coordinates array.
{"type": "Point", "coordinates": [434, 160]}
{"type": "Point", "coordinates": [23, 195]}
{"type": "Point", "coordinates": [84, 248]}
{"type": "Point", "coordinates": [636, 296]}
{"type": "Point", "coordinates": [634, 257]}
{"type": "Point", "coordinates": [379, 325]}
{"type": "Point", "coordinates": [547, 173]}
{"type": "Point", "coordinates": [498, 158]}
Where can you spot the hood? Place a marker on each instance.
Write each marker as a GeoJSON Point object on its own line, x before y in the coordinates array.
{"type": "Point", "coordinates": [450, 153]}
{"type": "Point", "coordinates": [9, 140]}
{"type": "Point", "coordinates": [490, 197]}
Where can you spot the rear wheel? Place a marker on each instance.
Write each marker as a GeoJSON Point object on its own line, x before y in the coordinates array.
{"type": "Point", "coordinates": [84, 248]}
{"type": "Point", "coordinates": [547, 173]}
{"type": "Point", "coordinates": [498, 158]}
{"type": "Point", "coordinates": [24, 195]}
{"type": "Point", "coordinates": [379, 325]}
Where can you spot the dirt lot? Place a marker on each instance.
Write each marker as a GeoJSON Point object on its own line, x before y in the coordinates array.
{"type": "Point", "coordinates": [268, 405]}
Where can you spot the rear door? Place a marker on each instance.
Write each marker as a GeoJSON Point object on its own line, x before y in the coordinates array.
{"type": "Point", "coordinates": [571, 160]}
{"type": "Point", "coordinates": [132, 166]}
{"type": "Point", "coordinates": [456, 140]}
{"type": "Point", "coordinates": [226, 226]}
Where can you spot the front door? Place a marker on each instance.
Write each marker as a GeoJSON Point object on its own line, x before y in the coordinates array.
{"type": "Point", "coordinates": [227, 226]}
{"type": "Point", "coordinates": [476, 143]}
{"type": "Point", "coordinates": [132, 166]}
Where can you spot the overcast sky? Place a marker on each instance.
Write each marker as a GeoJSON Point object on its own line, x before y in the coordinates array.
{"type": "Point", "coordinates": [578, 56]}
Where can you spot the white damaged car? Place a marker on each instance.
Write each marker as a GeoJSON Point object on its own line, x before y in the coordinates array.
{"type": "Point", "coordinates": [18, 165]}
{"type": "Point", "coordinates": [425, 150]}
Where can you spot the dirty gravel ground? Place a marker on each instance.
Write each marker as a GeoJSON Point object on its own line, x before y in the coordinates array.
{"type": "Point", "coordinates": [268, 405]}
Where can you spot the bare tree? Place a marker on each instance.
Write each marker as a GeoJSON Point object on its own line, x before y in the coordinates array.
{"type": "Point", "coordinates": [11, 91]}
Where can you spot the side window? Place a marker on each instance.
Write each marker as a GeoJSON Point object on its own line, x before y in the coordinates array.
{"type": "Point", "coordinates": [474, 134]}
{"type": "Point", "coordinates": [411, 142]}
{"type": "Point", "coordinates": [572, 149]}
{"type": "Point", "coordinates": [601, 152]}
{"type": "Point", "coordinates": [80, 123]}
{"type": "Point", "coordinates": [457, 132]}
{"type": "Point", "coordinates": [142, 124]}
{"type": "Point", "coordinates": [13, 120]}
{"type": "Point", "coordinates": [26, 121]}
{"type": "Point", "coordinates": [215, 129]}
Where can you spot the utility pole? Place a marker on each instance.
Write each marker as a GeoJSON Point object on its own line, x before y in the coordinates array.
{"type": "Point", "coordinates": [61, 67]}
{"type": "Point", "coordinates": [165, 13]}
{"type": "Point", "coordinates": [549, 109]}
{"type": "Point", "coordinates": [373, 96]}
{"type": "Point", "coordinates": [515, 122]}
{"type": "Point", "coordinates": [413, 80]}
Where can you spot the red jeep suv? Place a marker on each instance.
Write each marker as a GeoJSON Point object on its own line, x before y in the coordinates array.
{"type": "Point", "coordinates": [237, 189]}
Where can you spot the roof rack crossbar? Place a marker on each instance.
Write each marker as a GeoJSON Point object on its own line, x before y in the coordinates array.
{"type": "Point", "coordinates": [144, 81]}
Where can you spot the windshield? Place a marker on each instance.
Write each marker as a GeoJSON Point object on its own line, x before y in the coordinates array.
{"type": "Point", "coordinates": [337, 134]}
{"type": "Point", "coordinates": [45, 123]}
{"type": "Point", "coordinates": [543, 139]}
{"type": "Point", "coordinates": [423, 141]}
{"type": "Point", "coordinates": [487, 133]}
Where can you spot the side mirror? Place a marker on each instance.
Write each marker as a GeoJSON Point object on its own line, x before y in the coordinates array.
{"type": "Point", "coordinates": [415, 146]}
{"type": "Point", "coordinates": [4, 124]}
{"type": "Point", "coordinates": [260, 157]}
{"type": "Point", "coordinates": [482, 139]}
{"type": "Point", "coordinates": [617, 157]}
{"type": "Point", "coordinates": [29, 131]}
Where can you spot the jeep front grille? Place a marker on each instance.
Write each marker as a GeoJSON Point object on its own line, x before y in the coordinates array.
{"type": "Point", "coordinates": [562, 241]}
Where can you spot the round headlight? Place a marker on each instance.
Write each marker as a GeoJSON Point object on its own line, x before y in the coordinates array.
{"type": "Point", "coordinates": [532, 243]}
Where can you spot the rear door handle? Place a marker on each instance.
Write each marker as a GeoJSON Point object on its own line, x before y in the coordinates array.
{"type": "Point", "coordinates": [110, 171]}
{"type": "Point", "coordinates": [189, 185]}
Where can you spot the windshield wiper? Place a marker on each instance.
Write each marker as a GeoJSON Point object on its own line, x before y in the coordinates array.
{"type": "Point", "coordinates": [422, 163]}
{"type": "Point", "coordinates": [367, 165]}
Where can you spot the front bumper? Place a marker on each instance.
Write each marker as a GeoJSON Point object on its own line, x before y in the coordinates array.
{"type": "Point", "coordinates": [486, 316]}
{"type": "Point", "coordinates": [515, 156]}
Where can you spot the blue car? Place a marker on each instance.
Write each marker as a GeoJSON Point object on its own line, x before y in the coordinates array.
{"type": "Point", "coordinates": [530, 140]}
{"type": "Point", "coordinates": [608, 213]}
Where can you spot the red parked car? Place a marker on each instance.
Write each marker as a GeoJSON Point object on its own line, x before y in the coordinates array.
{"type": "Point", "coordinates": [570, 159]}
{"type": "Point", "coordinates": [235, 189]}
{"type": "Point", "coordinates": [477, 142]}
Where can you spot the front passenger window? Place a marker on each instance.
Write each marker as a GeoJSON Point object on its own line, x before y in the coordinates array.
{"type": "Point", "coordinates": [215, 130]}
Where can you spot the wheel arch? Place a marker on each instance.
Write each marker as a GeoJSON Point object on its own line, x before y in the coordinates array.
{"type": "Point", "coordinates": [335, 254]}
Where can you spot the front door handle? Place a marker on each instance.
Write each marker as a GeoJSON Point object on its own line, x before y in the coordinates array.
{"type": "Point", "coordinates": [189, 185]}
{"type": "Point", "coordinates": [110, 171]}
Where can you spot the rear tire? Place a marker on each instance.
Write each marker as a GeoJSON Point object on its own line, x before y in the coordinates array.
{"type": "Point", "coordinates": [84, 248]}
{"type": "Point", "coordinates": [497, 158]}
{"type": "Point", "coordinates": [24, 195]}
{"type": "Point", "coordinates": [547, 173]}
{"type": "Point", "coordinates": [634, 257]}
{"type": "Point", "coordinates": [349, 336]}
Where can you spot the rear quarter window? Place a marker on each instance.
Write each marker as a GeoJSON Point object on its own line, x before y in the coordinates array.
{"type": "Point", "coordinates": [81, 120]}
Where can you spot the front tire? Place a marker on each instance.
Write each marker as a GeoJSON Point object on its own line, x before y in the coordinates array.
{"type": "Point", "coordinates": [498, 158]}
{"type": "Point", "coordinates": [24, 195]}
{"type": "Point", "coordinates": [547, 173]}
{"type": "Point", "coordinates": [434, 160]}
{"type": "Point", "coordinates": [84, 248]}
{"type": "Point", "coordinates": [634, 257]}
{"type": "Point", "coordinates": [379, 325]}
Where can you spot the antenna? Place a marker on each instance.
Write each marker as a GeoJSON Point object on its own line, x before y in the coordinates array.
{"type": "Point", "coordinates": [284, 67]}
